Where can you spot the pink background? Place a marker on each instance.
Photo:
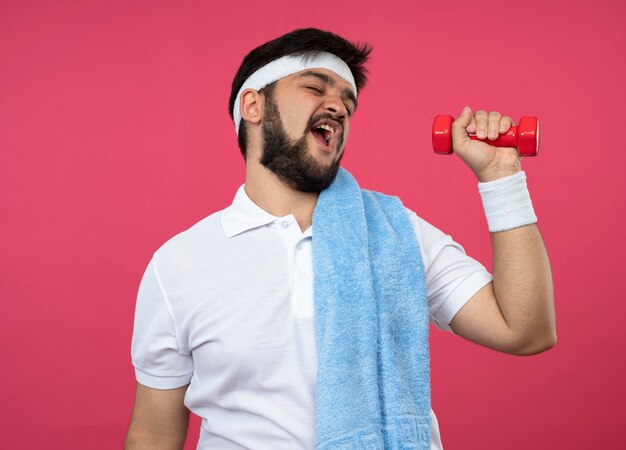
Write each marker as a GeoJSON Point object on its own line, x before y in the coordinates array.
{"type": "Point", "coordinates": [114, 136]}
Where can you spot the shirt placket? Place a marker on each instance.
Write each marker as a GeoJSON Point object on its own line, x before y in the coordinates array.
{"type": "Point", "coordinates": [301, 271]}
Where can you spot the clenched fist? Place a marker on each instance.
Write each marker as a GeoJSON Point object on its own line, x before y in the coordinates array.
{"type": "Point", "coordinates": [488, 162]}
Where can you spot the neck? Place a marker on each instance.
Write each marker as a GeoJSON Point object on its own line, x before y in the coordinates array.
{"type": "Point", "coordinates": [272, 195]}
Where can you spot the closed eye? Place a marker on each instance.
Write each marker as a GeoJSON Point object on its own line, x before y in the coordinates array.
{"type": "Point", "coordinates": [316, 89]}
{"type": "Point", "coordinates": [320, 91]}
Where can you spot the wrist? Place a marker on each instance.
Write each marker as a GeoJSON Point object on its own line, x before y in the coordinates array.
{"type": "Point", "coordinates": [493, 175]}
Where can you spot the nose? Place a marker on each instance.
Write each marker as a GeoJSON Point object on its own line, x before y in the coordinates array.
{"type": "Point", "coordinates": [335, 105]}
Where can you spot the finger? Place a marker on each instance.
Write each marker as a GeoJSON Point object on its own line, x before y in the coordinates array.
{"type": "Point", "coordinates": [494, 125]}
{"type": "Point", "coordinates": [459, 126]}
{"type": "Point", "coordinates": [464, 118]}
{"type": "Point", "coordinates": [481, 123]}
{"type": "Point", "coordinates": [505, 124]}
{"type": "Point", "coordinates": [471, 128]}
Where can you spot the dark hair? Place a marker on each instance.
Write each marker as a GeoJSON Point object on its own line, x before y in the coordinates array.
{"type": "Point", "coordinates": [307, 41]}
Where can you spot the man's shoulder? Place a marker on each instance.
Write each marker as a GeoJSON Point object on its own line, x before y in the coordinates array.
{"type": "Point", "coordinates": [394, 200]}
{"type": "Point", "coordinates": [423, 229]}
{"type": "Point", "coordinates": [195, 240]}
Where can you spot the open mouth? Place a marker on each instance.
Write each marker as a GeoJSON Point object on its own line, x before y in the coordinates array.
{"type": "Point", "coordinates": [326, 133]}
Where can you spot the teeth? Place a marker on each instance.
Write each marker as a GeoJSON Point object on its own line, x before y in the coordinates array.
{"type": "Point", "coordinates": [326, 127]}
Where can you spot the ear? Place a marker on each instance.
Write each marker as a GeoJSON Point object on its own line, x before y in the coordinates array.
{"type": "Point", "coordinates": [251, 106]}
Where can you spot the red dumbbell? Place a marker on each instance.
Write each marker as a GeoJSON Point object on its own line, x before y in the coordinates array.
{"type": "Point", "coordinates": [525, 136]}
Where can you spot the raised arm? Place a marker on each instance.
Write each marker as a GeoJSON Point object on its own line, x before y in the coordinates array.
{"type": "Point", "coordinates": [514, 313]}
{"type": "Point", "coordinates": [159, 421]}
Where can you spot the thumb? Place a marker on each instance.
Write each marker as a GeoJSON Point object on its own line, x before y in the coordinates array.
{"type": "Point", "coordinates": [459, 132]}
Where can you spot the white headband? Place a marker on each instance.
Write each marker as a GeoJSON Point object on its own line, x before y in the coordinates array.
{"type": "Point", "coordinates": [288, 65]}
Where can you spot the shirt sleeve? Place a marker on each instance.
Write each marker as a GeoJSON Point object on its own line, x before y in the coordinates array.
{"type": "Point", "coordinates": [452, 277]}
{"type": "Point", "coordinates": [159, 363]}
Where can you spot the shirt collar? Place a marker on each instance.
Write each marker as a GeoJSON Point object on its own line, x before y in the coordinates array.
{"type": "Point", "coordinates": [243, 215]}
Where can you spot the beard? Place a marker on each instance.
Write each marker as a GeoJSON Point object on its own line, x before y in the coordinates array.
{"type": "Point", "coordinates": [290, 160]}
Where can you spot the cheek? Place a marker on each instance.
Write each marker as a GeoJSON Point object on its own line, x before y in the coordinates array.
{"type": "Point", "coordinates": [346, 133]}
{"type": "Point", "coordinates": [295, 113]}
{"type": "Point", "coordinates": [295, 122]}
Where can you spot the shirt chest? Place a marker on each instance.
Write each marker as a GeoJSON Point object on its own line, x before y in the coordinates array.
{"type": "Point", "coordinates": [248, 299]}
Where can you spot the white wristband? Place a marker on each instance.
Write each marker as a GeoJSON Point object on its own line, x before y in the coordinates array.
{"type": "Point", "coordinates": [507, 203]}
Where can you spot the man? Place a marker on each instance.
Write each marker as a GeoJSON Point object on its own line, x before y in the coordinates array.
{"type": "Point", "coordinates": [226, 316]}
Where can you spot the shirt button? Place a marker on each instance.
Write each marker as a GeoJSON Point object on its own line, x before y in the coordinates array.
{"type": "Point", "coordinates": [302, 276]}
{"type": "Point", "coordinates": [285, 224]}
{"type": "Point", "coordinates": [299, 246]}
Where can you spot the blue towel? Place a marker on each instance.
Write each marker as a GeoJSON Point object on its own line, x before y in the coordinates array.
{"type": "Point", "coordinates": [371, 318]}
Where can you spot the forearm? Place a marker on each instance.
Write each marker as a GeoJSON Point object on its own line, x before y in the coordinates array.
{"type": "Point", "coordinates": [522, 284]}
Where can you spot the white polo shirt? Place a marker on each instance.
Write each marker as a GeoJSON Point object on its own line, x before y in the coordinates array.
{"type": "Point", "coordinates": [227, 307]}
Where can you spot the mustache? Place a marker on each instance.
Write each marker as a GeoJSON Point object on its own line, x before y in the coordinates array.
{"type": "Point", "coordinates": [314, 119]}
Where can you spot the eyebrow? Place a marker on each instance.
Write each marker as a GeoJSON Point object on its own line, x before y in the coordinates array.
{"type": "Point", "coordinates": [347, 93]}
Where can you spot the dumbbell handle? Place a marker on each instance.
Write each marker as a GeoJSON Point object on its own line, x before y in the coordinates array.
{"type": "Point", "coordinates": [525, 136]}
